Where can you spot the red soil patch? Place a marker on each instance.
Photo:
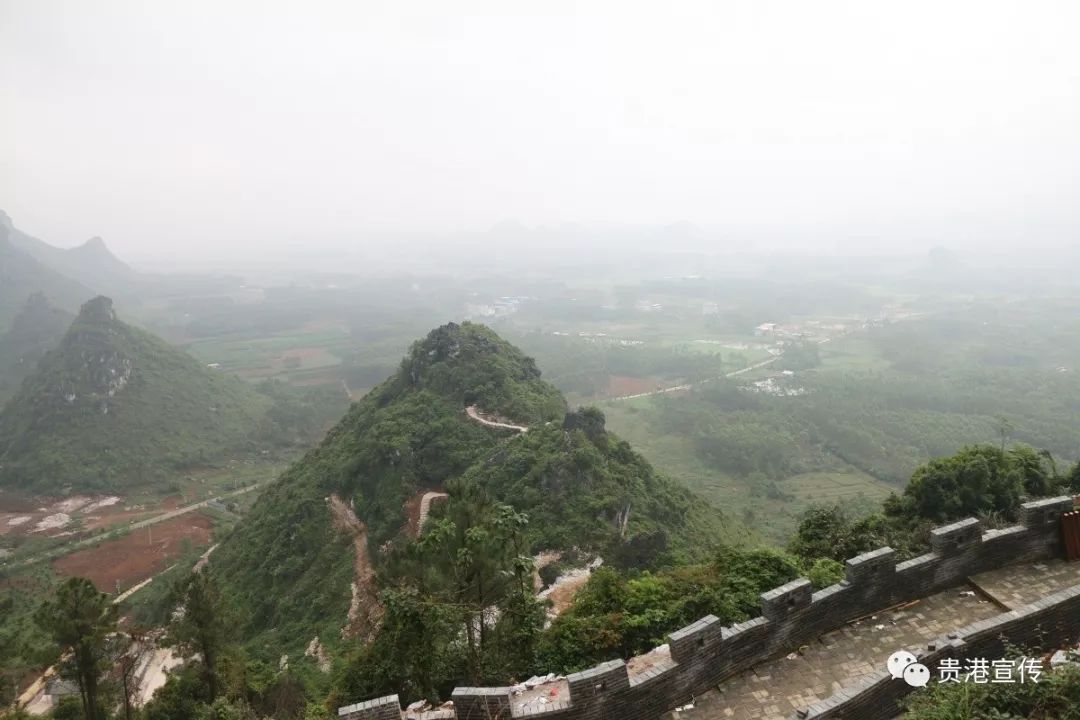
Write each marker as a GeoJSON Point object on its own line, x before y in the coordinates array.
{"type": "Point", "coordinates": [138, 555]}
{"type": "Point", "coordinates": [620, 385]}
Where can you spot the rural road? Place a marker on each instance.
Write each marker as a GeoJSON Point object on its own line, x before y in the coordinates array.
{"type": "Point", "coordinates": [688, 386]}
{"type": "Point", "coordinates": [93, 539]}
{"type": "Point", "coordinates": [733, 373]}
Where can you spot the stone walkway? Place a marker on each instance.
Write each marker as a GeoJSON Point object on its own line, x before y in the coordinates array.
{"type": "Point", "coordinates": [775, 690]}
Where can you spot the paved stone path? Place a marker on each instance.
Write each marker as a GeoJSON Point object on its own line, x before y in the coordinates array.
{"type": "Point", "coordinates": [776, 689]}
{"type": "Point", "coordinates": [1018, 586]}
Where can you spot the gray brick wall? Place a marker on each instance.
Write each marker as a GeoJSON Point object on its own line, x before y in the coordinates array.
{"type": "Point", "coordinates": [705, 653]}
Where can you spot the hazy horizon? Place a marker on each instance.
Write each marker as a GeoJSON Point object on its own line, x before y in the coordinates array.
{"type": "Point", "coordinates": [826, 128]}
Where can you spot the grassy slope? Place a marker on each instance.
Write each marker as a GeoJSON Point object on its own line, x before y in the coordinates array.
{"type": "Point", "coordinates": [64, 427]}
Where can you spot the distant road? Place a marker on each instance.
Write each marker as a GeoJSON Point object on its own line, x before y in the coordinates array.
{"type": "Point", "coordinates": [773, 359]}
{"type": "Point", "coordinates": [93, 539]}
{"type": "Point", "coordinates": [689, 386]}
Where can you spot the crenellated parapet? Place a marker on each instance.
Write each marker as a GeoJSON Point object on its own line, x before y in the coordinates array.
{"type": "Point", "coordinates": [705, 653]}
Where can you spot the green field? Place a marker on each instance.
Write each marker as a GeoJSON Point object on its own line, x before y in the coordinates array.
{"type": "Point", "coordinates": [279, 355]}
{"type": "Point", "coordinates": [772, 511]}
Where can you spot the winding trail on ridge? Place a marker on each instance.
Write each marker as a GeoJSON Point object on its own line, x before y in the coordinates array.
{"type": "Point", "coordinates": [473, 413]}
{"type": "Point", "coordinates": [425, 509]}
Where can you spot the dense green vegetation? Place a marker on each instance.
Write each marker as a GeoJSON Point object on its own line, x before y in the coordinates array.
{"type": "Point", "coordinates": [619, 615]}
{"type": "Point", "coordinates": [982, 481]}
{"type": "Point", "coordinates": [288, 568]}
{"type": "Point", "coordinates": [81, 621]}
{"type": "Point", "coordinates": [113, 406]}
{"type": "Point", "coordinates": [880, 403]}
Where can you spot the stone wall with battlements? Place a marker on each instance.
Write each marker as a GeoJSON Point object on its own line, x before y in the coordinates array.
{"type": "Point", "coordinates": [705, 653]}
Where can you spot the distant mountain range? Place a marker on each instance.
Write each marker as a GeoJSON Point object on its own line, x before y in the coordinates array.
{"type": "Point", "coordinates": [68, 277]}
{"type": "Point", "coordinates": [91, 264]}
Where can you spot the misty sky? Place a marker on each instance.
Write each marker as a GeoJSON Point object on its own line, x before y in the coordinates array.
{"type": "Point", "coordinates": [248, 124]}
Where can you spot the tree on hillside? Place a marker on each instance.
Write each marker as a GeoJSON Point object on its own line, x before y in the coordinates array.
{"type": "Point", "coordinates": [80, 620]}
{"type": "Point", "coordinates": [829, 532]}
{"type": "Point", "coordinates": [201, 626]}
{"type": "Point", "coordinates": [979, 480]}
{"type": "Point", "coordinates": [619, 614]}
{"type": "Point", "coordinates": [459, 605]}
{"type": "Point", "coordinates": [477, 557]}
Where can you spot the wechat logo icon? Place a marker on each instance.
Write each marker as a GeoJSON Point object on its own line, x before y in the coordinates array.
{"type": "Point", "coordinates": [903, 664]}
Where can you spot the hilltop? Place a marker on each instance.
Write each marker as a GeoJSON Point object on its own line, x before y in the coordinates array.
{"type": "Point", "coordinates": [115, 406]}
{"type": "Point", "coordinates": [290, 564]}
{"type": "Point", "coordinates": [36, 329]}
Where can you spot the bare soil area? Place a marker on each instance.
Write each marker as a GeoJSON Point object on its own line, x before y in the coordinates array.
{"type": "Point", "coordinates": [620, 385]}
{"type": "Point", "coordinates": [137, 556]}
{"type": "Point", "coordinates": [365, 612]}
{"type": "Point", "coordinates": [52, 517]}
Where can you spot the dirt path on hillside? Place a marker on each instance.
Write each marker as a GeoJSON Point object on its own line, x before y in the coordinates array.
{"type": "Point", "coordinates": [365, 612]}
{"type": "Point", "coordinates": [500, 423]}
{"type": "Point", "coordinates": [425, 508]}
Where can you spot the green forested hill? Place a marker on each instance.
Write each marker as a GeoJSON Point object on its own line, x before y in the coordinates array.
{"type": "Point", "coordinates": [288, 567]}
{"type": "Point", "coordinates": [34, 331]}
{"type": "Point", "coordinates": [113, 406]}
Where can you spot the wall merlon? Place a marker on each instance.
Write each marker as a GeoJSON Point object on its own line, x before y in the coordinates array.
{"type": "Point", "coordinates": [1045, 511]}
{"type": "Point", "coordinates": [604, 678]}
{"type": "Point", "coordinates": [383, 708]}
{"type": "Point", "coordinates": [873, 566]}
{"type": "Point", "coordinates": [780, 602]}
{"type": "Point", "coordinates": [473, 703]}
{"type": "Point", "coordinates": [956, 537]}
{"type": "Point", "coordinates": [687, 642]}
